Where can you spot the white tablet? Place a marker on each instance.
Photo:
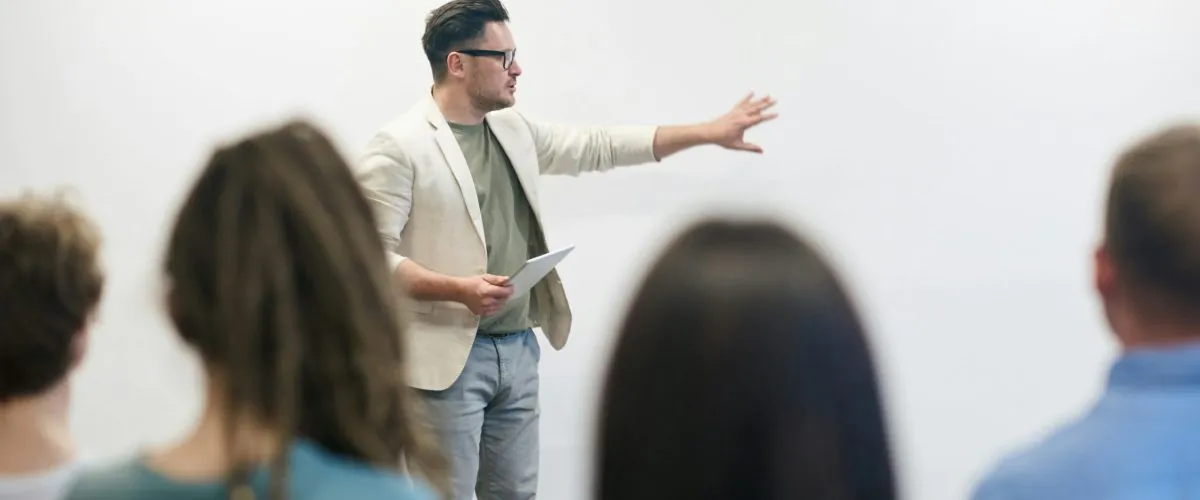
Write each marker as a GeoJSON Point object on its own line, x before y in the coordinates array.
{"type": "Point", "coordinates": [535, 269]}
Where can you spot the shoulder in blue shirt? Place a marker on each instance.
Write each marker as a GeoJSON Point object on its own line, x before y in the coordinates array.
{"type": "Point", "coordinates": [1141, 440]}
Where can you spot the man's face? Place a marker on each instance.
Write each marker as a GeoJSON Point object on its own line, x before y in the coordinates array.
{"type": "Point", "coordinates": [491, 85]}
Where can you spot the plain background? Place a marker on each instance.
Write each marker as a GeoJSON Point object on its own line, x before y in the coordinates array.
{"type": "Point", "coordinates": [950, 156]}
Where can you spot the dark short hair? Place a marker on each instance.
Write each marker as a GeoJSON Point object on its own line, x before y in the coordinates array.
{"type": "Point", "coordinates": [742, 371]}
{"type": "Point", "coordinates": [454, 24]}
{"type": "Point", "coordinates": [50, 283]}
{"type": "Point", "coordinates": [1152, 222]}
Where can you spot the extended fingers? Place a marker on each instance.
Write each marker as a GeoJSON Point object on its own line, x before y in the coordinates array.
{"type": "Point", "coordinates": [761, 105]}
{"type": "Point", "coordinates": [764, 118]}
{"type": "Point", "coordinates": [746, 146]}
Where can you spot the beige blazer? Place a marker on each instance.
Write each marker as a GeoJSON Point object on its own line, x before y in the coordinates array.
{"type": "Point", "coordinates": [420, 188]}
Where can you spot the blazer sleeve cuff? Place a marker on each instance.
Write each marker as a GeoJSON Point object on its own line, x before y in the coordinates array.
{"type": "Point", "coordinates": [634, 144]}
{"type": "Point", "coordinates": [393, 261]}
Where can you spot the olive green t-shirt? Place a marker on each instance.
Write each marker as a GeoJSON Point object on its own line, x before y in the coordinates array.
{"type": "Point", "coordinates": [508, 220]}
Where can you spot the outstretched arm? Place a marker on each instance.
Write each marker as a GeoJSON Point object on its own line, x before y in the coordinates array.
{"type": "Point", "coordinates": [727, 131]}
{"type": "Point", "coordinates": [565, 150]}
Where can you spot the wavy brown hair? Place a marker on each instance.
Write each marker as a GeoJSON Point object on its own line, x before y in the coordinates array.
{"type": "Point", "coordinates": [278, 280]}
{"type": "Point", "coordinates": [51, 283]}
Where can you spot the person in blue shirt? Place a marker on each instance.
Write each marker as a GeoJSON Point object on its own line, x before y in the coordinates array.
{"type": "Point", "coordinates": [277, 280]}
{"type": "Point", "coordinates": [1141, 440]}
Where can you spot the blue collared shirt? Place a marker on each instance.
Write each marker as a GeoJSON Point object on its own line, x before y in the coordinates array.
{"type": "Point", "coordinates": [1141, 441]}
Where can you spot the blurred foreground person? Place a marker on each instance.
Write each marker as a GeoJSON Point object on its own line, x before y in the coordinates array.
{"type": "Point", "coordinates": [1141, 440]}
{"type": "Point", "coordinates": [51, 283]}
{"type": "Point", "coordinates": [742, 371]}
{"type": "Point", "coordinates": [277, 281]}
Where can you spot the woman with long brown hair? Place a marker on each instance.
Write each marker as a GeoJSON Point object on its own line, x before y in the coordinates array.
{"type": "Point", "coordinates": [743, 371]}
{"type": "Point", "coordinates": [278, 281]}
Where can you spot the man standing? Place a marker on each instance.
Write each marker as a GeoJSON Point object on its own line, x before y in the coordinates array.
{"type": "Point", "coordinates": [454, 186]}
{"type": "Point", "coordinates": [1141, 440]}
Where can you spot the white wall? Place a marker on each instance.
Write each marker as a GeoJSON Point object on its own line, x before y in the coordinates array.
{"type": "Point", "coordinates": [950, 153]}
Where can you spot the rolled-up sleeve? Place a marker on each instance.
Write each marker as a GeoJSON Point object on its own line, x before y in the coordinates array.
{"type": "Point", "coordinates": [386, 176]}
{"type": "Point", "coordinates": [572, 150]}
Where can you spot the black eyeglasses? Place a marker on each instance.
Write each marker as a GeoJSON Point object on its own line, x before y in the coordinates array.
{"type": "Point", "coordinates": [507, 55]}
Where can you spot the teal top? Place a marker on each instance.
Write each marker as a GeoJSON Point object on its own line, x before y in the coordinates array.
{"type": "Point", "coordinates": [315, 474]}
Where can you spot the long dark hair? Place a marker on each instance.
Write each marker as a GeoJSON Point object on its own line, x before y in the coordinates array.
{"type": "Point", "coordinates": [278, 280]}
{"type": "Point", "coordinates": [742, 371]}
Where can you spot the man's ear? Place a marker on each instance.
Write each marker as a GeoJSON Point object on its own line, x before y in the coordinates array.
{"type": "Point", "coordinates": [455, 64]}
{"type": "Point", "coordinates": [81, 343]}
{"type": "Point", "coordinates": [1105, 273]}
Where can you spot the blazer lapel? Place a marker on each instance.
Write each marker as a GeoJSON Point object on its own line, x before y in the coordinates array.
{"type": "Point", "coordinates": [509, 141]}
{"type": "Point", "coordinates": [458, 165]}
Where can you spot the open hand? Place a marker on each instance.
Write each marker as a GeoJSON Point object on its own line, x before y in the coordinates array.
{"type": "Point", "coordinates": [729, 130]}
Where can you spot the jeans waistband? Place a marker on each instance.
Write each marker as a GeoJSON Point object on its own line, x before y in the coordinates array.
{"type": "Point", "coordinates": [500, 335]}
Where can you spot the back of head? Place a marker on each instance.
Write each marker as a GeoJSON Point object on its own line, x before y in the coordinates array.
{"type": "Point", "coordinates": [453, 25]}
{"type": "Point", "coordinates": [742, 371]}
{"type": "Point", "coordinates": [278, 280]}
{"type": "Point", "coordinates": [50, 285]}
{"type": "Point", "coordinates": [1152, 234]}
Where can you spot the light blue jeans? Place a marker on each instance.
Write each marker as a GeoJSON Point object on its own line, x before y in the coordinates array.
{"type": "Point", "coordinates": [488, 419]}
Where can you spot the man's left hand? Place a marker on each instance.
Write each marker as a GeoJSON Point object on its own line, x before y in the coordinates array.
{"type": "Point", "coordinates": [729, 130]}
